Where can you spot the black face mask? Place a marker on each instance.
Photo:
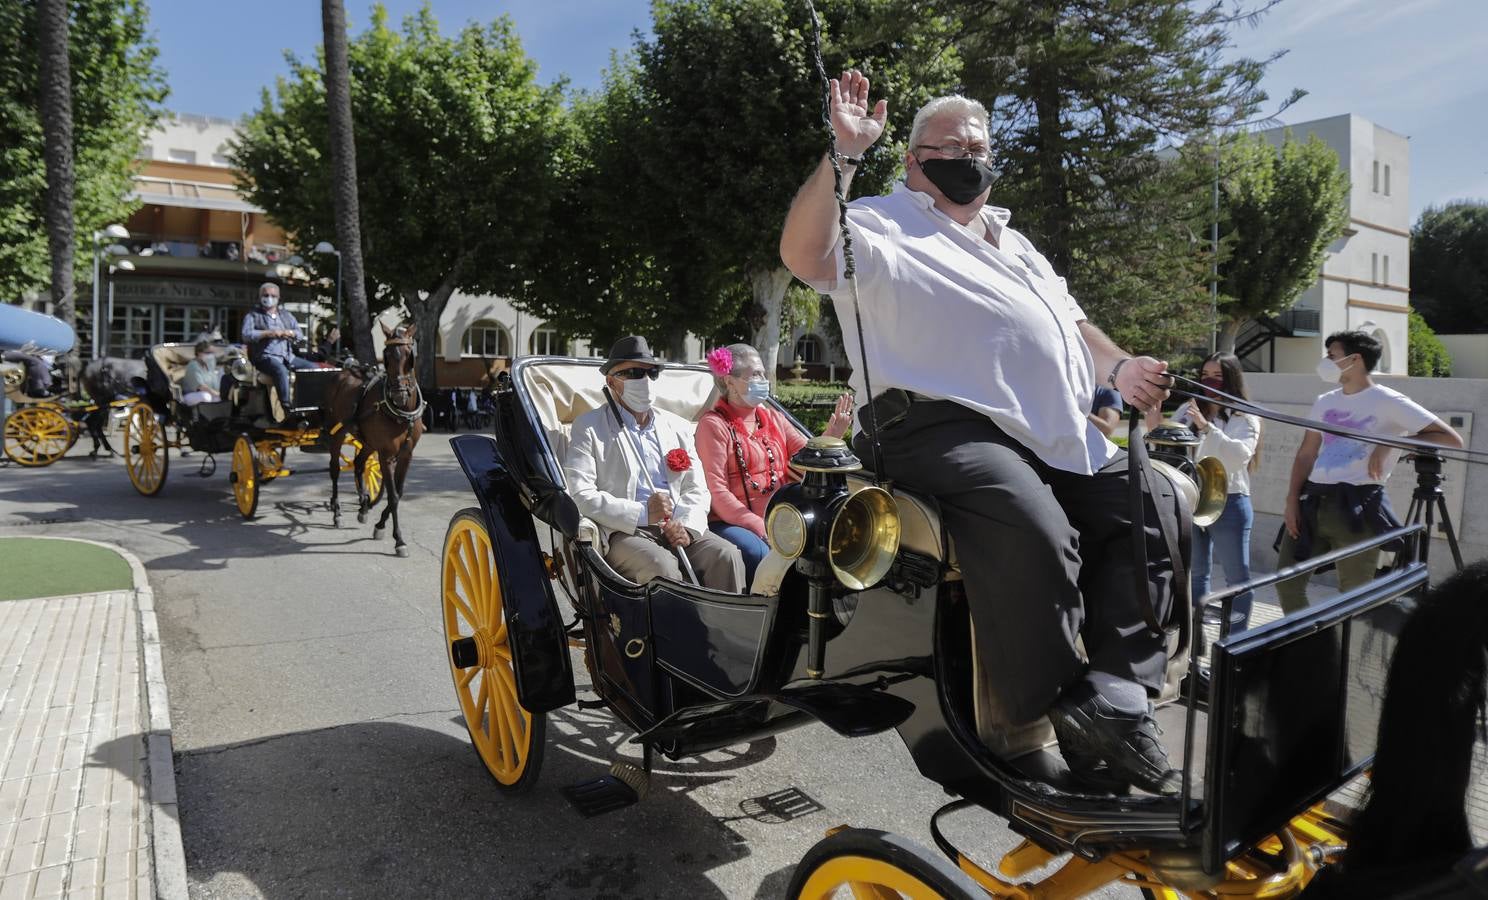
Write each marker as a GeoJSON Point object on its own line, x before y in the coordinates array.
{"type": "Point", "coordinates": [961, 180]}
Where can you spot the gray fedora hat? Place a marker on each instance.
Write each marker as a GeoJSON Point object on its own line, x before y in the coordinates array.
{"type": "Point", "coordinates": [629, 349]}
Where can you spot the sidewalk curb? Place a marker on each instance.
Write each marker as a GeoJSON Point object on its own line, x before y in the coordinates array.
{"type": "Point", "coordinates": [169, 856]}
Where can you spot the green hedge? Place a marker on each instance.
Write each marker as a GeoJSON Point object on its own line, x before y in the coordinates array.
{"type": "Point", "coordinates": [811, 402]}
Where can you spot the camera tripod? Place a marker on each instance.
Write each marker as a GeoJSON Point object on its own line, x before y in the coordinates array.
{"type": "Point", "coordinates": [1427, 501]}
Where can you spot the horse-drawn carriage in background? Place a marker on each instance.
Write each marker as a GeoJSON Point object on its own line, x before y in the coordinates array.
{"type": "Point", "coordinates": [858, 620]}
{"type": "Point", "coordinates": [40, 430]}
{"type": "Point", "coordinates": [242, 423]}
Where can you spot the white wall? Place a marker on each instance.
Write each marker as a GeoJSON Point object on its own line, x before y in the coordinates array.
{"type": "Point", "coordinates": [1469, 354]}
{"type": "Point", "coordinates": [205, 137]}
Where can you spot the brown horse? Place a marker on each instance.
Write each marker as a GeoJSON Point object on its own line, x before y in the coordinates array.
{"type": "Point", "coordinates": [384, 409]}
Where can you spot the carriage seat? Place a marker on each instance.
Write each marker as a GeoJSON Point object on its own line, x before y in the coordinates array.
{"type": "Point", "coordinates": [172, 360]}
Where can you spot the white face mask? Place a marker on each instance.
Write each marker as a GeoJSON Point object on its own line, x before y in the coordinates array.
{"type": "Point", "coordinates": [637, 394]}
{"type": "Point", "coordinates": [268, 302]}
{"type": "Point", "coordinates": [756, 393]}
{"type": "Point", "coordinates": [1329, 371]}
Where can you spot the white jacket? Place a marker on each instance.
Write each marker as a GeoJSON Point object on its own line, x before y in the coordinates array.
{"type": "Point", "coordinates": [603, 472]}
{"type": "Point", "coordinates": [1233, 442]}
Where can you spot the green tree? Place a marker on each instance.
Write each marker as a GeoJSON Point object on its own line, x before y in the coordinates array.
{"type": "Point", "coordinates": [116, 95]}
{"type": "Point", "coordinates": [1449, 267]}
{"type": "Point", "coordinates": [1427, 356]}
{"type": "Point", "coordinates": [733, 105]}
{"type": "Point", "coordinates": [454, 174]}
{"type": "Point", "coordinates": [55, 72]}
{"type": "Point", "coordinates": [1279, 212]}
{"type": "Point", "coordinates": [1081, 93]}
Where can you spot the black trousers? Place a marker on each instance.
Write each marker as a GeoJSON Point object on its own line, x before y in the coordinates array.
{"type": "Point", "coordinates": [1046, 556]}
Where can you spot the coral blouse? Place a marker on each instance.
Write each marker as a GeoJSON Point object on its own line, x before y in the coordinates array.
{"type": "Point", "coordinates": [723, 436]}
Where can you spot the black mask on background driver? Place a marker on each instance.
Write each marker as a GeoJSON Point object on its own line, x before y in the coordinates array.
{"type": "Point", "coordinates": [961, 180]}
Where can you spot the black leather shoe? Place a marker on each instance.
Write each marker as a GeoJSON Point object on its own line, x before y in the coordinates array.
{"type": "Point", "coordinates": [1091, 731]}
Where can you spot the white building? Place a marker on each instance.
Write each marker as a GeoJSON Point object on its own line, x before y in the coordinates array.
{"type": "Point", "coordinates": [1365, 279]}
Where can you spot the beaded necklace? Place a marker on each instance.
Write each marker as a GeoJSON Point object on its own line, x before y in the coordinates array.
{"type": "Point", "coordinates": [748, 481]}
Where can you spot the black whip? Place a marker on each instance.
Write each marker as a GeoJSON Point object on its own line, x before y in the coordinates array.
{"type": "Point", "coordinates": [849, 268]}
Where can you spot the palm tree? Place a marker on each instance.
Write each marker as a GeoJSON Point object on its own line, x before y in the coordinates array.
{"type": "Point", "coordinates": [344, 176]}
{"type": "Point", "coordinates": [56, 121]}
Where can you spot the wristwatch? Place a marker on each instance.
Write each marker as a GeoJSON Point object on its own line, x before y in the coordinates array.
{"type": "Point", "coordinates": [849, 160]}
{"type": "Point", "coordinates": [1111, 379]}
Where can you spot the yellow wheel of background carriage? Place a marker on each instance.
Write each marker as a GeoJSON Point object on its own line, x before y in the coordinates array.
{"type": "Point", "coordinates": [146, 451]}
{"type": "Point", "coordinates": [863, 863]}
{"type": "Point", "coordinates": [38, 435]}
{"type": "Point", "coordinates": [508, 738]}
{"type": "Point", "coordinates": [244, 476]}
{"type": "Point", "coordinates": [371, 472]}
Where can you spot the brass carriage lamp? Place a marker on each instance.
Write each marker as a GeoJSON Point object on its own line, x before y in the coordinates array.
{"type": "Point", "coordinates": [832, 532]}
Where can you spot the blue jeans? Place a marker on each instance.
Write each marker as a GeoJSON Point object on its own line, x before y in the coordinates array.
{"type": "Point", "coordinates": [1229, 540]}
{"type": "Point", "coordinates": [751, 546]}
{"type": "Point", "coordinates": [278, 367]}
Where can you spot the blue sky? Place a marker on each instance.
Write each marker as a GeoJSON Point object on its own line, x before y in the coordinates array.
{"type": "Point", "coordinates": [1413, 66]}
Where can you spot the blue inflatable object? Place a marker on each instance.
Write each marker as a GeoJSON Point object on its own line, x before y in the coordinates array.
{"type": "Point", "coordinates": [24, 328]}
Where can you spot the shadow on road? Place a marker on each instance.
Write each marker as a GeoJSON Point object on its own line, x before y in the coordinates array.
{"type": "Point", "coordinates": [387, 809]}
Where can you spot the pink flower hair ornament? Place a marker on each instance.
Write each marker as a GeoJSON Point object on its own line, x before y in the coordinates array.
{"type": "Point", "coordinates": [721, 361]}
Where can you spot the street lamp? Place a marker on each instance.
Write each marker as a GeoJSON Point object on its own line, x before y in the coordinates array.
{"type": "Point", "coordinates": [326, 247]}
{"type": "Point", "coordinates": [119, 233]}
{"type": "Point", "coordinates": [122, 265]}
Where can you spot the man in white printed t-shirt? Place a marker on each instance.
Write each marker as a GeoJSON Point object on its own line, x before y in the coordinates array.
{"type": "Point", "coordinates": [1337, 495]}
{"type": "Point", "coordinates": [990, 367]}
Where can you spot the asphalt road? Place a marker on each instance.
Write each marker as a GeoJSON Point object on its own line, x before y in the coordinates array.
{"type": "Point", "coordinates": [320, 751]}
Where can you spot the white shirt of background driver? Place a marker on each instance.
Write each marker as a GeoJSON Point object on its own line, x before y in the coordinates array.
{"type": "Point", "coordinates": [948, 315]}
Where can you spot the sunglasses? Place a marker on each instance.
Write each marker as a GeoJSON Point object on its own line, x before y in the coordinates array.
{"type": "Point", "coordinates": [633, 374]}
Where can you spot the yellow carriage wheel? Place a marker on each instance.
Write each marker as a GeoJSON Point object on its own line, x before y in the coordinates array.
{"type": "Point", "coordinates": [861, 863]}
{"type": "Point", "coordinates": [244, 476]}
{"type": "Point", "coordinates": [38, 435]}
{"type": "Point", "coordinates": [146, 451]}
{"type": "Point", "coordinates": [508, 738]}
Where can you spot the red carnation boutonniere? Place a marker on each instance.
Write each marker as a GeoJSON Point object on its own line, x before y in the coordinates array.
{"type": "Point", "coordinates": [678, 460]}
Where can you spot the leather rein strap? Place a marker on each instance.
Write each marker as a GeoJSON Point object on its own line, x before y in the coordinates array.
{"type": "Point", "coordinates": [1139, 470]}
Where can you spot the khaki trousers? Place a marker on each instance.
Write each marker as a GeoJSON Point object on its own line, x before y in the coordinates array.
{"type": "Point", "coordinates": [1331, 531]}
{"type": "Point", "coordinates": [645, 555]}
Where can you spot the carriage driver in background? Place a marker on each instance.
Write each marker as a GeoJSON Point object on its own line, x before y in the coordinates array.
{"type": "Point", "coordinates": [270, 333]}
{"type": "Point", "coordinates": [646, 517]}
{"type": "Point", "coordinates": [969, 328]}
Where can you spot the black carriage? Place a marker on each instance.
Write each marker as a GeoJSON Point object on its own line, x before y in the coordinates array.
{"type": "Point", "coordinates": [858, 620]}
{"type": "Point", "coordinates": [243, 424]}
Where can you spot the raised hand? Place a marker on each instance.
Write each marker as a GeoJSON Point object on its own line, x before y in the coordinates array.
{"type": "Point", "coordinates": [855, 126]}
{"type": "Point", "coordinates": [1143, 382]}
{"type": "Point", "coordinates": [841, 418]}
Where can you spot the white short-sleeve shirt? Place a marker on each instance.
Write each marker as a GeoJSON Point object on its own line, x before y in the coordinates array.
{"type": "Point", "coordinates": [1376, 409]}
{"type": "Point", "coordinates": [948, 315]}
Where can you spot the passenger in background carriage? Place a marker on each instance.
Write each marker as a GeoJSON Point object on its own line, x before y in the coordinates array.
{"type": "Point", "coordinates": [986, 367]}
{"type": "Point", "coordinates": [630, 469]}
{"type": "Point", "coordinates": [1337, 493]}
{"type": "Point", "coordinates": [745, 446]}
{"type": "Point", "coordinates": [202, 382]}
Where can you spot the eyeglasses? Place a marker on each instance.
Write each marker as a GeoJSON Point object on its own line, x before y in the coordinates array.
{"type": "Point", "coordinates": [956, 151]}
{"type": "Point", "coordinates": [633, 374]}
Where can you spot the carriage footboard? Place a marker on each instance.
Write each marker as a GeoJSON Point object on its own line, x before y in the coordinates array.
{"type": "Point", "coordinates": [1295, 705]}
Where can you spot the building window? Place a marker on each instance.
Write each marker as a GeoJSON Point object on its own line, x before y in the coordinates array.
{"type": "Point", "coordinates": [1385, 272]}
{"type": "Point", "coordinates": [220, 160]}
{"type": "Point", "coordinates": [809, 349]}
{"type": "Point", "coordinates": [133, 330]}
{"type": "Point", "coordinates": [487, 338]}
{"type": "Point", "coordinates": [182, 156]}
{"type": "Point", "coordinates": [1387, 181]}
{"type": "Point", "coordinates": [1376, 176]}
{"type": "Point", "coordinates": [183, 324]}
{"type": "Point", "coordinates": [547, 342]}
{"type": "Point", "coordinates": [1374, 268]}
{"type": "Point", "coordinates": [147, 151]}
